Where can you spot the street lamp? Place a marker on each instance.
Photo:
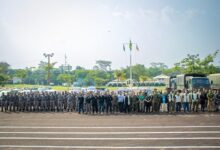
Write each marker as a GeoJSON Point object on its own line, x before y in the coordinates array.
{"type": "Point", "coordinates": [130, 45]}
{"type": "Point", "coordinates": [48, 65]}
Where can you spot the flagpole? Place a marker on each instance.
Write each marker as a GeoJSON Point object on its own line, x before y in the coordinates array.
{"type": "Point", "coordinates": [131, 82]}
{"type": "Point", "coordinates": [130, 48]}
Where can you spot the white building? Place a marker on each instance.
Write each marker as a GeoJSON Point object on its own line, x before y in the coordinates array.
{"type": "Point", "coordinates": [161, 78]}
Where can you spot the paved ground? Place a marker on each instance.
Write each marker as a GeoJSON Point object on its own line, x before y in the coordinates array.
{"type": "Point", "coordinates": [74, 131]}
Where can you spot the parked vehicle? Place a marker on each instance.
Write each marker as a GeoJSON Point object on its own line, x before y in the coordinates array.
{"type": "Point", "coordinates": [192, 81]}
{"type": "Point", "coordinates": [214, 80]}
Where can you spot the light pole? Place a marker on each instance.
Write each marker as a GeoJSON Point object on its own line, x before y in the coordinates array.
{"type": "Point", "coordinates": [130, 45]}
{"type": "Point", "coordinates": [48, 65]}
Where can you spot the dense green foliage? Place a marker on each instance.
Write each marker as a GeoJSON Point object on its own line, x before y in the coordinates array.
{"type": "Point", "coordinates": [100, 75]}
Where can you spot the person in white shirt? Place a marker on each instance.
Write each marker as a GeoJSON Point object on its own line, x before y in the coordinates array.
{"type": "Point", "coordinates": [121, 100]}
{"type": "Point", "coordinates": [178, 101]}
{"type": "Point", "coordinates": [185, 100]}
{"type": "Point", "coordinates": [190, 100]}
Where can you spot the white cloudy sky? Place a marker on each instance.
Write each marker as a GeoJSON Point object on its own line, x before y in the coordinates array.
{"type": "Point", "coordinates": [89, 30]}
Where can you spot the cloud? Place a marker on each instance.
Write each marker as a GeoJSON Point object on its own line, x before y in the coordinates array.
{"type": "Point", "coordinates": [167, 14]}
{"type": "Point", "coordinates": [123, 14]}
{"type": "Point", "coordinates": [117, 14]}
{"type": "Point", "coordinates": [192, 13]}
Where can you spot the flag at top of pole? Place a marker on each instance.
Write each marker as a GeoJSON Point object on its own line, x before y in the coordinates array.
{"type": "Point", "coordinates": [137, 48]}
{"type": "Point", "coordinates": [130, 45]}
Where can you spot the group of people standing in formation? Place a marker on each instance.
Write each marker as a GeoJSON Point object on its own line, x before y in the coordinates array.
{"type": "Point", "coordinates": [113, 102]}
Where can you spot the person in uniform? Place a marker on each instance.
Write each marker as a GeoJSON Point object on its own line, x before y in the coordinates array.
{"type": "Point", "coordinates": [10, 101]}
{"type": "Point", "coordinates": [147, 102]}
{"type": "Point", "coordinates": [20, 102]}
{"type": "Point", "coordinates": [195, 101]}
{"type": "Point", "coordinates": [203, 100]}
{"type": "Point", "coordinates": [43, 102]}
{"type": "Point", "coordinates": [217, 101]}
{"type": "Point", "coordinates": [135, 103]}
{"type": "Point", "coordinates": [108, 99]}
{"type": "Point", "coordinates": [50, 101]}
{"type": "Point", "coordinates": [4, 102]}
{"type": "Point", "coordinates": [114, 103]}
{"type": "Point", "coordinates": [88, 103]}
{"type": "Point", "coordinates": [101, 103]}
{"type": "Point", "coordinates": [155, 101]}
{"type": "Point", "coordinates": [94, 103]}
{"type": "Point", "coordinates": [81, 103]}
{"type": "Point", "coordinates": [210, 97]}
{"type": "Point", "coordinates": [59, 102]}
{"type": "Point", "coordinates": [127, 103]}
{"type": "Point", "coordinates": [69, 102]}
{"type": "Point", "coordinates": [171, 98]}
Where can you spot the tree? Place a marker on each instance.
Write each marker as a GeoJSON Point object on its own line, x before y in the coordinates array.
{"type": "Point", "coordinates": [3, 79]}
{"type": "Point", "coordinates": [159, 65]}
{"type": "Point", "coordinates": [119, 75]}
{"type": "Point", "coordinates": [206, 64]}
{"type": "Point", "coordinates": [137, 71]}
{"type": "Point", "coordinates": [47, 67]}
{"type": "Point", "coordinates": [65, 78]}
{"type": "Point", "coordinates": [4, 67]}
{"type": "Point", "coordinates": [155, 69]}
{"type": "Point", "coordinates": [79, 68]}
{"type": "Point", "coordinates": [21, 73]}
{"type": "Point", "coordinates": [193, 64]}
{"type": "Point", "coordinates": [143, 78]}
{"type": "Point", "coordinates": [103, 65]}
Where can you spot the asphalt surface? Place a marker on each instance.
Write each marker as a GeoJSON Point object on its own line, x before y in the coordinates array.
{"type": "Point", "coordinates": [136, 131]}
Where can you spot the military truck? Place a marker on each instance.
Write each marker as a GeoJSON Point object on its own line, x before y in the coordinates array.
{"type": "Point", "coordinates": [192, 81]}
{"type": "Point", "coordinates": [214, 80]}
{"type": "Point", "coordinates": [170, 83]}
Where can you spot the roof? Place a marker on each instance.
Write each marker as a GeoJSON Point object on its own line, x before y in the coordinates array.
{"type": "Point", "coordinates": [162, 76]}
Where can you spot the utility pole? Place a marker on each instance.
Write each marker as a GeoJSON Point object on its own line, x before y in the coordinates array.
{"type": "Point", "coordinates": [48, 65]}
{"type": "Point", "coordinates": [130, 45]}
{"type": "Point", "coordinates": [65, 60]}
{"type": "Point", "coordinates": [67, 67]}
